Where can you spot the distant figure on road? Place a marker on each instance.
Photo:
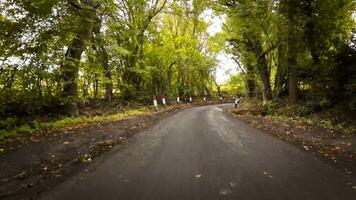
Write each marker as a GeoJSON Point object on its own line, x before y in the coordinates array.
{"type": "Point", "coordinates": [237, 101]}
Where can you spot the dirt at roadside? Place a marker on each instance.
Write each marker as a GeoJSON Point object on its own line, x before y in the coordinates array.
{"type": "Point", "coordinates": [32, 165]}
{"type": "Point", "coordinates": [335, 148]}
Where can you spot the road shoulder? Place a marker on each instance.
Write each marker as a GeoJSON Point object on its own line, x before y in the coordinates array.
{"type": "Point", "coordinates": [38, 163]}
{"type": "Point", "coordinates": [336, 150]}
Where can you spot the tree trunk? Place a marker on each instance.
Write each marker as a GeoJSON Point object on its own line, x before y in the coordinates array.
{"type": "Point", "coordinates": [266, 84]}
{"type": "Point", "coordinates": [96, 86]}
{"type": "Point", "coordinates": [288, 9]}
{"type": "Point", "coordinates": [281, 66]}
{"type": "Point", "coordinates": [251, 81]}
{"type": "Point", "coordinates": [262, 66]}
{"type": "Point", "coordinates": [73, 55]}
{"type": "Point", "coordinates": [292, 66]}
{"type": "Point", "coordinates": [107, 74]}
{"type": "Point", "coordinates": [169, 77]}
{"type": "Point", "coordinates": [70, 66]}
{"type": "Point", "coordinates": [85, 90]}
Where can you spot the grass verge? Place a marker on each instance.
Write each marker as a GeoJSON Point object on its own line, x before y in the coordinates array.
{"type": "Point", "coordinates": [68, 121]}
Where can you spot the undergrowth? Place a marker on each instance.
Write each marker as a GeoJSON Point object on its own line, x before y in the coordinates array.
{"type": "Point", "coordinates": [11, 130]}
{"type": "Point", "coordinates": [330, 119]}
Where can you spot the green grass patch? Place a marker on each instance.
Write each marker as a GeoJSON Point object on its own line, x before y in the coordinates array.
{"type": "Point", "coordinates": [65, 122]}
{"type": "Point", "coordinates": [325, 124]}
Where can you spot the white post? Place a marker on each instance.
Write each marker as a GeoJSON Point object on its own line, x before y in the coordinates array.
{"type": "Point", "coordinates": [190, 99]}
{"type": "Point", "coordinates": [178, 99]}
{"type": "Point", "coordinates": [155, 101]}
{"type": "Point", "coordinates": [164, 101]}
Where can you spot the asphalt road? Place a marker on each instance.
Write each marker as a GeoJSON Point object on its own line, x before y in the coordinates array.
{"type": "Point", "coordinates": [203, 153]}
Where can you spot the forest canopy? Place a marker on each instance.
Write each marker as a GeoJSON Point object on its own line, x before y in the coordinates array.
{"type": "Point", "coordinates": [66, 53]}
{"type": "Point", "coordinates": [58, 55]}
{"type": "Point", "coordinates": [302, 49]}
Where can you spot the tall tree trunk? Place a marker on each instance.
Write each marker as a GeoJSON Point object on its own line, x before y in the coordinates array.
{"type": "Point", "coordinates": [251, 80]}
{"type": "Point", "coordinates": [311, 35]}
{"type": "Point", "coordinates": [96, 86]}
{"type": "Point", "coordinates": [70, 66]}
{"type": "Point", "coordinates": [169, 77]}
{"type": "Point", "coordinates": [288, 9]}
{"type": "Point", "coordinates": [262, 67]}
{"type": "Point", "coordinates": [85, 90]}
{"type": "Point", "coordinates": [292, 66]}
{"type": "Point", "coordinates": [266, 84]}
{"type": "Point", "coordinates": [281, 65]}
{"type": "Point", "coordinates": [99, 48]}
{"type": "Point", "coordinates": [107, 74]}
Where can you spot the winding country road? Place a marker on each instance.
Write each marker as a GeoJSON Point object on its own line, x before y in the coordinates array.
{"type": "Point", "coordinates": [203, 153]}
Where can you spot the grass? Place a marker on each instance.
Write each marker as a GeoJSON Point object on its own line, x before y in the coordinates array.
{"type": "Point", "coordinates": [65, 122]}
{"type": "Point", "coordinates": [300, 114]}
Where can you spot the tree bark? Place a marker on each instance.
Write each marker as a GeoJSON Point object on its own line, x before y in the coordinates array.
{"type": "Point", "coordinates": [107, 74]}
{"type": "Point", "coordinates": [262, 67]}
{"type": "Point", "coordinates": [292, 66]}
{"type": "Point", "coordinates": [73, 55]}
{"type": "Point", "coordinates": [280, 79]}
{"type": "Point", "coordinates": [251, 81]}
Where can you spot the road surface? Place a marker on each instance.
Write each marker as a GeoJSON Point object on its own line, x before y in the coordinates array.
{"type": "Point", "coordinates": [203, 153]}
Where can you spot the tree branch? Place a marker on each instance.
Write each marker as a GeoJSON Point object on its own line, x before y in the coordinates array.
{"type": "Point", "coordinates": [75, 4]}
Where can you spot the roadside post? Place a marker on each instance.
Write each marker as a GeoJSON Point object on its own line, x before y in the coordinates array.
{"type": "Point", "coordinates": [236, 103]}
{"type": "Point", "coordinates": [204, 99]}
{"type": "Point", "coordinates": [155, 104]}
{"type": "Point", "coordinates": [163, 100]}
{"type": "Point", "coordinates": [178, 100]}
{"type": "Point", "coordinates": [190, 99]}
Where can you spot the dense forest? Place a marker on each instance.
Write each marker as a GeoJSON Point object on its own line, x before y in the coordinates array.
{"type": "Point", "coordinates": [301, 49]}
{"type": "Point", "coordinates": [59, 55]}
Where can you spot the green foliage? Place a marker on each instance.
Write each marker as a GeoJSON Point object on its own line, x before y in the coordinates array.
{"type": "Point", "coordinates": [315, 37]}
{"type": "Point", "coordinates": [136, 49]}
{"type": "Point", "coordinates": [10, 130]}
{"type": "Point", "coordinates": [235, 86]}
{"type": "Point", "coordinates": [8, 123]}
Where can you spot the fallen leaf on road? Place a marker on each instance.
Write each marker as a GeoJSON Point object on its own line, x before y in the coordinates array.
{"type": "Point", "coordinates": [21, 175]}
{"type": "Point", "coordinates": [232, 184]}
{"type": "Point", "coordinates": [65, 142]}
{"type": "Point", "coordinates": [2, 150]}
{"type": "Point", "coordinates": [198, 176]}
{"type": "Point", "coordinates": [306, 148]}
{"type": "Point", "coordinates": [225, 192]}
{"type": "Point", "coordinates": [354, 187]}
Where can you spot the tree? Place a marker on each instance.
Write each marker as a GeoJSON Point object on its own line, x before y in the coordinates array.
{"type": "Point", "coordinates": [70, 67]}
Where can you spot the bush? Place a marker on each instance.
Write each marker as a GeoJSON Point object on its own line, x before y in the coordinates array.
{"type": "Point", "coordinates": [8, 123]}
{"type": "Point", "coordinates": [25, 129]}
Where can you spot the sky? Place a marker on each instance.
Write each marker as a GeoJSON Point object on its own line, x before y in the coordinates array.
{"type": "Point", "coordinates": [226, 66]}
